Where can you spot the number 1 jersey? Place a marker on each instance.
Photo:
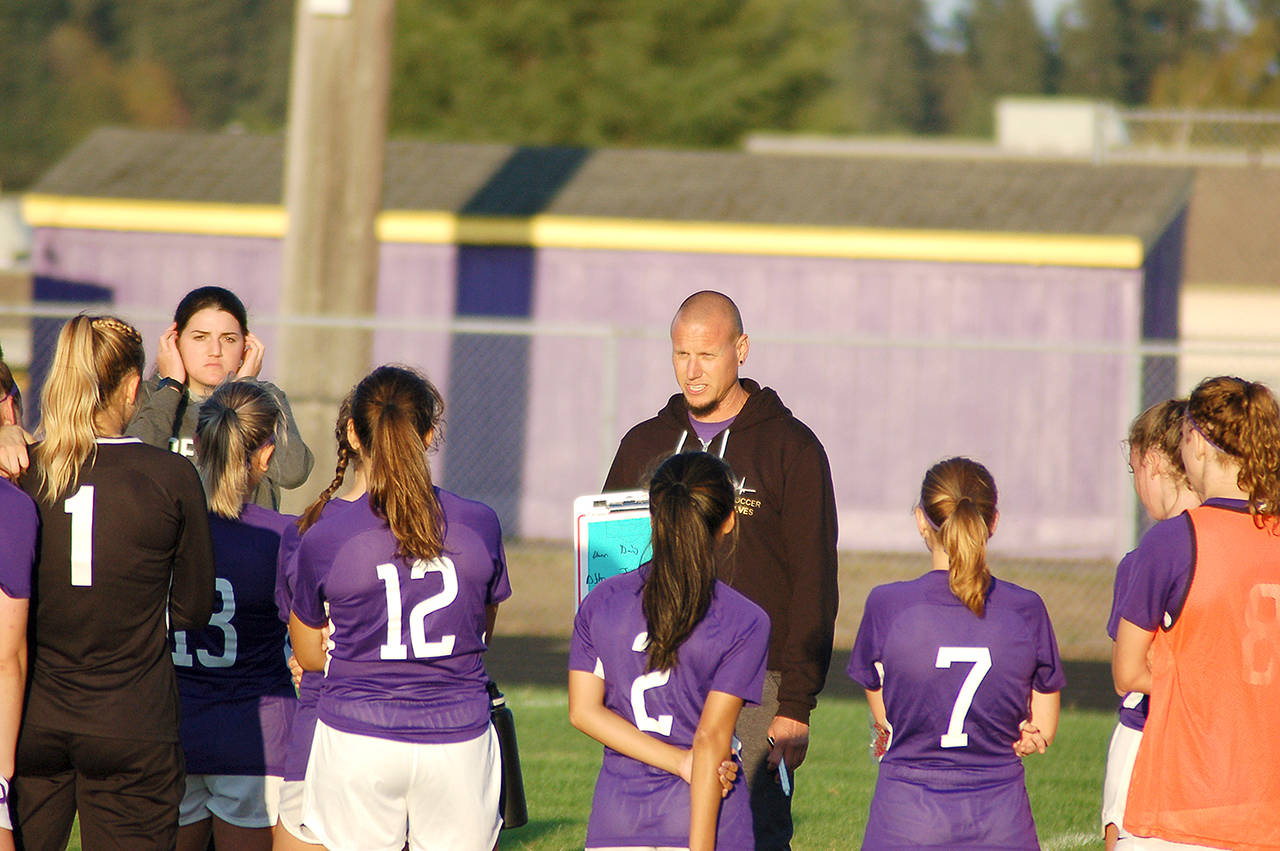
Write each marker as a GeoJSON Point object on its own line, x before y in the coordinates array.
{"type": "Point", "coordinates": [128, 544]}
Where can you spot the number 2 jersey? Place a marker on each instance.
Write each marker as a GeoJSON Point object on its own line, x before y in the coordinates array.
{"type": "Point", "coordinates": [127, 543]}
{"type": "Point", "coordinates": [233, 679]}
{"type": "Point", "coordinates": [956, 685]}
{"type": "Point", "coordinates": [406, 636]}
{"type": "Point", "coordinates": [636, 804]}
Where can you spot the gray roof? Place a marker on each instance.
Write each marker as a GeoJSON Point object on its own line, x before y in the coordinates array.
{"type": "Point", "coordinates": [712, 186]}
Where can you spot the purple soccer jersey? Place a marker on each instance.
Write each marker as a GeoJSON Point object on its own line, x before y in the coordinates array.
{"type": "Point", "coordinates": [18, 533]}
{"type": "Point", "coordinates": [1133, 707]}
{"type": "Point", "coordinates": [1163, 566]}
{"type": "Point", "coordinates": [406, 636]}
{"type": "Point", "coordinates": [955, 688]}
{"type": "Point", "coordinates": [237, 698]}
{"type": "Point", "coordinates": [302, 730]}
{"type": "Point", "coordinates": [636, 804]}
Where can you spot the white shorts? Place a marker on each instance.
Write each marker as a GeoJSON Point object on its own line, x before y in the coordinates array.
{"type": "Point", "coordinates": [239, 799]}
{"type": "Point", "coordinates": [1121, 754]}
{"type": "Point", "coordinates": [291, 812]}
{"type": "Point", "coordinates": [370, 794]}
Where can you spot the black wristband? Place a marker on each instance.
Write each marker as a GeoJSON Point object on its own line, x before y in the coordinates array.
{"type": "Point", "coordinates": [172, 382]}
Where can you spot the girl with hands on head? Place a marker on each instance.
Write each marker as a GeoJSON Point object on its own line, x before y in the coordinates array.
{"type": "Point", "coordinates": [209, 343]}
{"type": "Point", "coordinates": [957, 666]}
{"type": "Point", "coordinates": [662, 660]}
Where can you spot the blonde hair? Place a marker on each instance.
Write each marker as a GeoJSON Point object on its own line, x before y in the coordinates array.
{"type": "Point", "coordinates": [237, 419]}
{"type": "Point", "coordinates": [1159, 429]}
{"type": "Point", "coordinates": [958, 497]}
{"type": "Point", "coordinates": [94, 356]}
{"type": "Point", "coordinates": [1240, 419]}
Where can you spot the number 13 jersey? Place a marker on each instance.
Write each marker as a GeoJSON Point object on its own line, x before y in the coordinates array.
{"type": "Point", "coordinates": [406, 634]}
{"type": "Point", "coordinates": [955, 685]}
{"type": "Point", "coordinates": [129, 542]}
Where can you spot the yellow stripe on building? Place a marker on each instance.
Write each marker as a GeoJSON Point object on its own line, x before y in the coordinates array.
{"type": "Point", "coordinates": [611, 234]}
{"type": "Point", "coordinates": [146, 216]}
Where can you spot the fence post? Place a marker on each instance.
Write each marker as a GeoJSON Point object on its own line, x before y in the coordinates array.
{"type": "Point", "coordinates": [608, 401]}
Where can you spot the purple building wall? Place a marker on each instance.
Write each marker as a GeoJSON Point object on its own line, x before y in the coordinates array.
{"type": "Point", "coordinates": [1047, 423]}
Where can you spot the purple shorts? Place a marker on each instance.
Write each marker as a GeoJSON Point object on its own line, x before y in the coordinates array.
{"type": "Point", "coordinates": [950, 808]}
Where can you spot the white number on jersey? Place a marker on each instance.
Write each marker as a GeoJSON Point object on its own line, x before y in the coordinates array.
{"type": "Point", "coordinates": [980, 657]}
{"type": "Point", "coordinates": [644, 721]}
{"type": "Point", "coordinates": [422, 648]}
{"type": "Point", "coordinates": [222, 620]}
{"type": "Point", "coordinates": [1262, 620]}
{"type": "Point", "coordinates": [80, 507]}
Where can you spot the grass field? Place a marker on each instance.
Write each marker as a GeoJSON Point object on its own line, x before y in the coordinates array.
{"type": "Point", "coordinates": [833, 788]}
{"type": "Point", "coordinates": [834, 785]}
{"type": "Point", "coordinates": [1076, 593]}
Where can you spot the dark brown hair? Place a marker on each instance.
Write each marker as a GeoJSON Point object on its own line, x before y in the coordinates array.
{"type": "Point", "coordinates": [346, 454]}
{"type": "Point", "coordinates": [958, 496]}
{"type": "Point", "coordinates": [690, 497]}
{"type": "Point", "coordinates": [217, 298]}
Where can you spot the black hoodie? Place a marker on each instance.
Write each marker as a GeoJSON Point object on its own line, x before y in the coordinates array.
{"type": "Point", "coordinates": [785, 556]}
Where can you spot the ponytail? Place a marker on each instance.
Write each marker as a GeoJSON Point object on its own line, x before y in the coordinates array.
{"type": "Point", "coordinates": [690, 497]}
{"type": "Point", "coordinates": [234, 422]}
{"type": "Point", "coordinates": [394, 411]}
{"type": "Point", "coordinates": [346, 453]}
{"type": "Point", "coordinates": [958, 498]}
{"type": "Point", "coordinates": [94, 356]}
{"type": "Point", "coordinates": [1241, 420]}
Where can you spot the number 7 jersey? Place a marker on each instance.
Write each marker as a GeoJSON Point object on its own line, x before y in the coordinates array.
{"type": "Point", "coordinates": [955, 685]}
{"type": "Point", "coordinates": [406, 635]}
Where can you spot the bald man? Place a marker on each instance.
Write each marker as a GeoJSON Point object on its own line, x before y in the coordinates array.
{"type": "Point", "coordinates": [785, 555]}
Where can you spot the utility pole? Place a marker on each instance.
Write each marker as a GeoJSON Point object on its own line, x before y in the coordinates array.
{"type": "Point", "coordinates": [338, 103]}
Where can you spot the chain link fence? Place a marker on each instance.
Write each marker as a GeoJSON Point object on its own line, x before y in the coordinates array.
{"type": "Point", "coordinates": [534, 412]}
{"type": "Point", "coordinates": [1199, 137]}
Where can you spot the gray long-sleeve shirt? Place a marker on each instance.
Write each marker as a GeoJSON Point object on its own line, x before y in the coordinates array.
{"type": "Point", "coordinates": [167, 418]}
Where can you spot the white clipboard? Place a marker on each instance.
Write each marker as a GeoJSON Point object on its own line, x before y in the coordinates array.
{"type": "Point", "coordinates": [610, 537]}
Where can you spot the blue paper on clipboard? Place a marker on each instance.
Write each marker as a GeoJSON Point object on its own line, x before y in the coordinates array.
{"type": "Point", "coordinates": [610, 536]}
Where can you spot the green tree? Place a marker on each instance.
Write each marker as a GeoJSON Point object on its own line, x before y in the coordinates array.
{"type": "Point", "coordinates": [1004, 53]}
{"type": "Point", "coordinates": [627, 72]}
{"type": "Point", "coordinates": [1115, 48]}
{"type": "Point", "coordinates": [885, 73]}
